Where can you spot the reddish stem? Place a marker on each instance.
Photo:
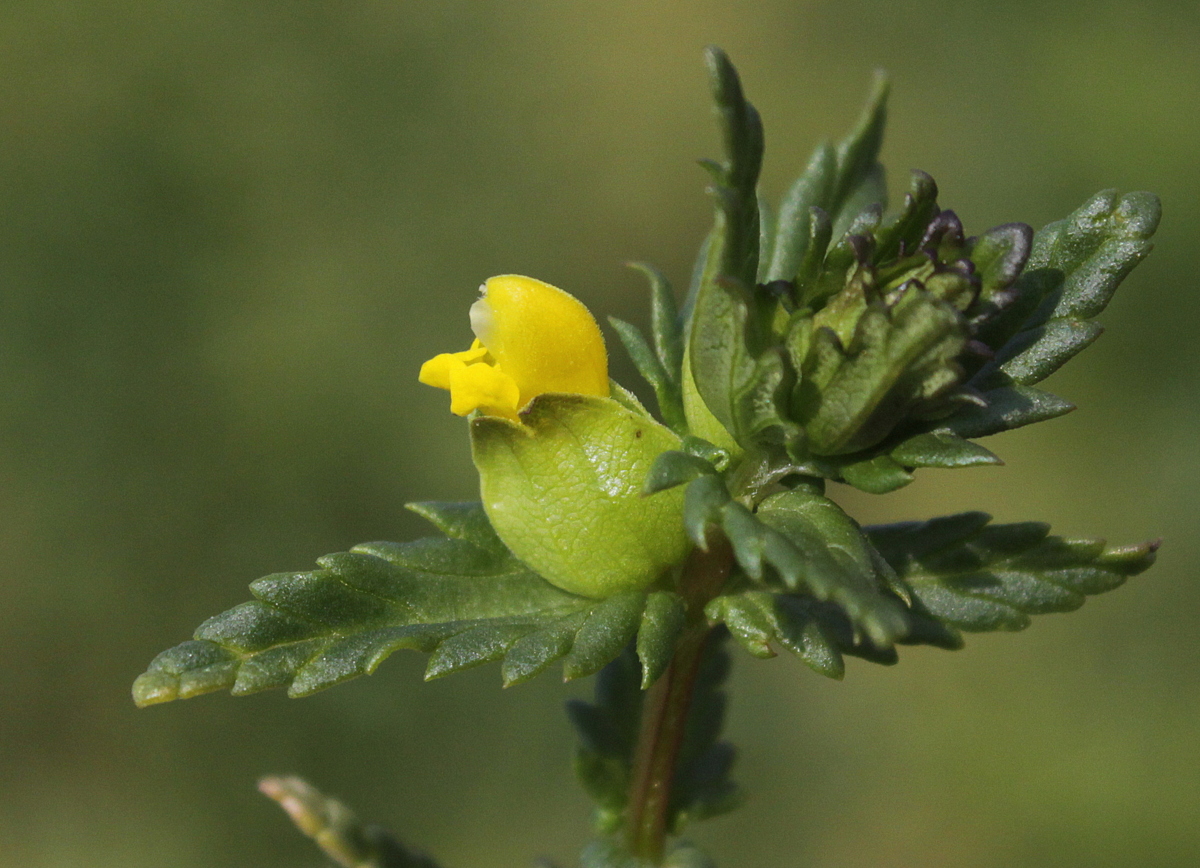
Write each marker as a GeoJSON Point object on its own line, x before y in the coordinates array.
{"type": "Point", "coordinates": [666, 705]}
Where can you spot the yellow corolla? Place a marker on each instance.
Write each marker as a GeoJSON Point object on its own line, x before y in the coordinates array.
{"type": "Point", "coordinates": [530, 338]}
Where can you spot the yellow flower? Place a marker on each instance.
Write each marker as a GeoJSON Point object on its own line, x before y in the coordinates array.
{"type": "Point", "coordinates": [530, 338]}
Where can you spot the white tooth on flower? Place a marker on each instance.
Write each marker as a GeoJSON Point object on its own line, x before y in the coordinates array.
{"type": "Point", "coordinates": [482, 320]}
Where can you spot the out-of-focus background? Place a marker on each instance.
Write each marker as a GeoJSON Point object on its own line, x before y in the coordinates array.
{"type": "Point", "coordinates": [229, 234]}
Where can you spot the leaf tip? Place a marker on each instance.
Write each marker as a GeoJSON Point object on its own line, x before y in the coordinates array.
{"type": "Point", "coordinates": [154, 688]}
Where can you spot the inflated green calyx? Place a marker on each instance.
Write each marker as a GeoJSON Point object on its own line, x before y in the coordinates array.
{"type": "Point", "coordinates": [563, 490]}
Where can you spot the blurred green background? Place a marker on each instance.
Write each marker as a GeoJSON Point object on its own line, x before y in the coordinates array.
{"type": "Point", "coordinates": [232, 231]}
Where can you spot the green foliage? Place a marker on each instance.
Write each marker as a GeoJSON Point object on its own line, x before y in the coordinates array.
{"type": "Point", "coordinates": [1074, 269]}
{"type": "Point", "coordinates": [662, 366]}
{"type": "Point", "coordinates": [839, 183]}
{"type": "Point", "coordinates": [335, 829]}
{"type": "Point", "coordinates": [608, 728]}
{"type": "Point", "coordinates": [947, 574]}
{"type": "Point", "coordinates": [801, 541]}
{"type": "Point", "coordinates": [834, 342]}
{"type": "Point", "coordinates": [461, 598]}
{"type": "Point", "coordinates": [972, 575]}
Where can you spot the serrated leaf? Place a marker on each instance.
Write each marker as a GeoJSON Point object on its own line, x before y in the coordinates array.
{"type": "Point", "coordinates": [475, 646]}
{"type": "Point", "coordinates": [1098, 246]}
{"type": "Point", "coordinates": [337, 831]}
{"type": "Point", "coordinates": [1036, 353]}
{"type": "Point", "coordinates": [533, 652]}
{"type": "Point", "coordinates": [717, 361]}
{"type": "Point", "coordinates": [821, 633]}
{"type": "Point", "coordinates": [464, 603]}
{"type": "Point", "coordinates": [746, 621]}
{"type": "Point", "coordinates": [974, 576]}
{"type": "Point", "coordinates": [1075, 267]}
{"type": "Point", "coordinates": [799, 629]}
{"type": "Point", "coordinates": [812, 546]}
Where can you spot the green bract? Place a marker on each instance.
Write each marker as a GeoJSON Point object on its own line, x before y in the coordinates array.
{"type": "Point", "coordinates": [563, 489]}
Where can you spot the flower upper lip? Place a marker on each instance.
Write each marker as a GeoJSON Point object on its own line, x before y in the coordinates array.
{"type": "Point", "coordinates": [531, 338]}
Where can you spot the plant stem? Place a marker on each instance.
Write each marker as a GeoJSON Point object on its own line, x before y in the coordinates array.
{"type": "Point", "coordinates": [666, 705]}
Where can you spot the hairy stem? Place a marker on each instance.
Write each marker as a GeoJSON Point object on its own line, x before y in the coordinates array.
{"type": "Point", "coordinates": [666, 705]}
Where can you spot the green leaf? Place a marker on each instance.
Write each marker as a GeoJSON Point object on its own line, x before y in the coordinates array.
{"type": "Point", "coordinates": [858, 164]}
{"type": "Point", "coordinates": [941, 449]}
{"type": "Point", "coordinates": [666, 325]}
{"type": "Point", "coordinates": [1006, 408]}
{"type": "Point", "coordinates": [1038, 352]}
{"type": "Point", "coordinates": [806, 542]}
{"type": "Point", "coordinates": [818, 633]}
{"type": "Point", "coordinates": [650, 366]}
{"type": "Point", "coordinates": [459, 599]}
{"type": "Point", "coordinates": [535, 651]}
{"type": "Point", "coordinates": [717, 357]}
{"type": "Point", "coordinates": [793, 234]}
{"type": "Point", "coordinates": [748, 623]}
{"type": "Point", "coordinates": [879, 474]}
{"type": "Point", "coordinates": [901, 358]}
{"type": "Point", "coordinates": [814, 546]}
{"type": "Point", "coordinates": [1075, 267]}
{"type": "Point", "coordinates": [1098, 246]}
{"type": "Point", "coordinates": [335, 829]}
{"type": "Point", "coordinates": [971, 575]}
{"type": "Point", "coordinates": [663, 620]}
{"type": "Point", "coordinates": [703, 501]}
{"type": "Point", "coordinates": [675, 467]}
{"type": "Point", "coordinates": [609, 627]}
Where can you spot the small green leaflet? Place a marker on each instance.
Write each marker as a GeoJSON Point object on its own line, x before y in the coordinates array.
{"type": "Point", "coordinates": [335, 829]}
{"type": "Point", "coordinates": [462, 598]}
